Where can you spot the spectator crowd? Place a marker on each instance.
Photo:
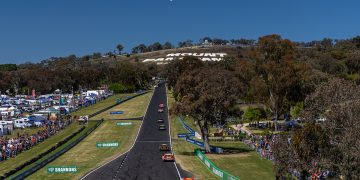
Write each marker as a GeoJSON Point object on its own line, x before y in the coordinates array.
{"type": "Point", "coordinates": [10, 147]}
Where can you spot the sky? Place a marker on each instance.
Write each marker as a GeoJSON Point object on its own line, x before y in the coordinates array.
{"type": "Point", "coordinates": [31, 31]}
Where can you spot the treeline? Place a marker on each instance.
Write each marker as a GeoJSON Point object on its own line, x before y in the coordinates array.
{"type": "Point", "coordinates": [317, 82]}
{"type": "Point", "coordinates": [72, 74]}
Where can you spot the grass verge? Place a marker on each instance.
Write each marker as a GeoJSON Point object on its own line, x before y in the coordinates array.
{"type": "Point", "coordinates": [132, 108]}
{"type": "Point", "coordinates": [86, 155]}
{"type": "Point", "coordinates": [87, 127]}
{"type": "Point", "coordinates": [240, 160]}
{"type": "Point", "coordinates": [38, 149]}
{"type": "Point", "coordinates": [100, 105]}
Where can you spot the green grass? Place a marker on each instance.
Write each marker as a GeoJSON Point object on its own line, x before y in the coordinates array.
{"type": "Point", "coordinates": [132, 108]}
{"type": "Point", "coordinates": [87, 127]}
{"type": "Point", "coordinates": [239, 159]}
{"type": "Point", "coordinates": [86, 155]}
{"type": "Point", "coordinates": [38, 149]}
{"type": "Point", "coordinates": [100, 105]}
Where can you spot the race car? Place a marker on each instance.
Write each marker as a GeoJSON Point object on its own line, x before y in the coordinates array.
{"type": "Point", "coordinates": [164, 147]}
{"type": "Point", "coordinates": [168, 157]}
{"type": "Point", "coordinates": [160, 120]}
{"type": "Point", "coordinates": [160, 110]}
{"type": "Point", "coordinates": [162, 127]}
{"type": "Point", "coordinates": [161, 105]}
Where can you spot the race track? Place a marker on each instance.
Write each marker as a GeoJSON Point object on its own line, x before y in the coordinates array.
{"type": "Point", "coordinates": [143, 161]}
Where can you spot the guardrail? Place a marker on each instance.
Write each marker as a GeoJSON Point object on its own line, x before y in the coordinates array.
{"type": "Point", "coordinates": [71, 145]}
{"type": "Point", "coordinates": [213, 168]}
{"type": "Point", "coordinates": [196, 142]}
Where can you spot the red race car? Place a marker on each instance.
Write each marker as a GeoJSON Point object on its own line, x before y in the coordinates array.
{"type": "Point", "coordinates": [168, 157]}
{"type": "Point", "coordinates": [161, 105]}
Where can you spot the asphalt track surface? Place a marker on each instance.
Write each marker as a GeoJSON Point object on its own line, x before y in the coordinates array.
{"type": "Point", "coordinates": [143, 161]}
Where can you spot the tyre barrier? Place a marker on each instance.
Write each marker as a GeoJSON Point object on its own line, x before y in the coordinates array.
{"type": "Point", "coordinates": [56, 155]}
{"type": "Point", "coordinates": [60, 143]}
{"type": "Point", "coordinates": [65, 149]}
{"type": "Point", "coordinates": [213, 168]}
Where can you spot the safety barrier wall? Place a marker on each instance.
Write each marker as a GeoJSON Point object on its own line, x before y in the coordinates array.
{"type": "Point", "coordinates": [213, 168]}
{"type": "Point", "coordinates": [192, 141]}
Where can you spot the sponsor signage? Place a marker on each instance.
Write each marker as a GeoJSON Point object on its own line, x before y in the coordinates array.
{"type": "Point", "coordinates": [182, 135]}
{"type": "Point", "coordinates": [124, 123]}
{"type": "Point", "coordinates": [116, 112]}
{"type": "Point", "coordinates": [118, 100]}
{"type": "Point", "coordinates": [213, 168]}
{"type": "Point", "coordinates": [201, 56]}
{"type": "Point", "coordinates": [62, 169]}
{"type": "Point", "coordinates": [107, 144]}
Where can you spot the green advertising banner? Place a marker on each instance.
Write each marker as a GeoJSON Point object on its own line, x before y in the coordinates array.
{"type": "Point", "coordinates": [214, 169]}
{"type": "Point", "coordinates": [107, 144]}
{"type": "Point", "coordinates": [124, 123]}
{"type": "Point", "coordinates": [62, 169]}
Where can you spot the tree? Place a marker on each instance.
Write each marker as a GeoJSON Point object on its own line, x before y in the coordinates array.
{"type": "Point", "coordinates": [120, 48]}
{"type": "Point", "coordinates": [332, 145]}
{"type": "Point", "coordinates": [167, 45]}
{"type": "Point", "coordinates": [252, 114]}
{"type": "Point", "coordinates": [356, 41]}
{"type": "Point", "coordinates": [207, 95]}
{"type": "Point", "coordinates": [175, 69]}
{"type": "Point", "coordinates": [155, 47]}
{"type": "Point", "coordinates": [281, 77]}
{"type": "Point", "coordinates": [187, 43]}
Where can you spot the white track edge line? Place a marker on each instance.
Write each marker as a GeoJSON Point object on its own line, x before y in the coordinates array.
{"type": "Point", "coordinates": [167, 106]}
{"type": "Point", "coordinates": [87, 174]}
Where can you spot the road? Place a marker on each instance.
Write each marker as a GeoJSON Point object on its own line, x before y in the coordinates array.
{"type": "Point", "coordinates": [143, 161]}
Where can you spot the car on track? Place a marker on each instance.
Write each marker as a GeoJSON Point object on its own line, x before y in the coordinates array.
{"type": "Point", "coordinates": [168, 157]}
{"type": "Point", "coordinates": [160, 120]}
{"type": "Point", "coordinates": [162, 127]}
{"type": "Point", "coordinates": [161, 105]}
{"type": "Point", "coordinates": [160, 110]}
{"type": "Point", "coordinates": [164, 147]}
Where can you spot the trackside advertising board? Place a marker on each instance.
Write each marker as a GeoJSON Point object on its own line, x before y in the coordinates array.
{"type": "Point", "coordinates": [107, 144]}
{"type": "Point", "coordinates": [62, 169]}
{"type": "Point", "coordinates": [214, 169]}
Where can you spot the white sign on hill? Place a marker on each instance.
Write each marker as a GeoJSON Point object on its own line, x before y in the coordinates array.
{"type": "Point", "coordinates": [201, 56]}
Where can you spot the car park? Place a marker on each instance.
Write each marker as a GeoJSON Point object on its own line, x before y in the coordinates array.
{"type": "Point", "coordinates": [168, 157]}
{"type": "Point", "coordinates": [164, 147]}
{"type": "Point", "coordinates": [160, 120]}
{"type": "Point", "coordinates": [162, 127]}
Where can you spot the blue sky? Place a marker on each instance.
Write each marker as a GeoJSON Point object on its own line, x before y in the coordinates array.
{"type": "Point", "coordinates": [39, 29]}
